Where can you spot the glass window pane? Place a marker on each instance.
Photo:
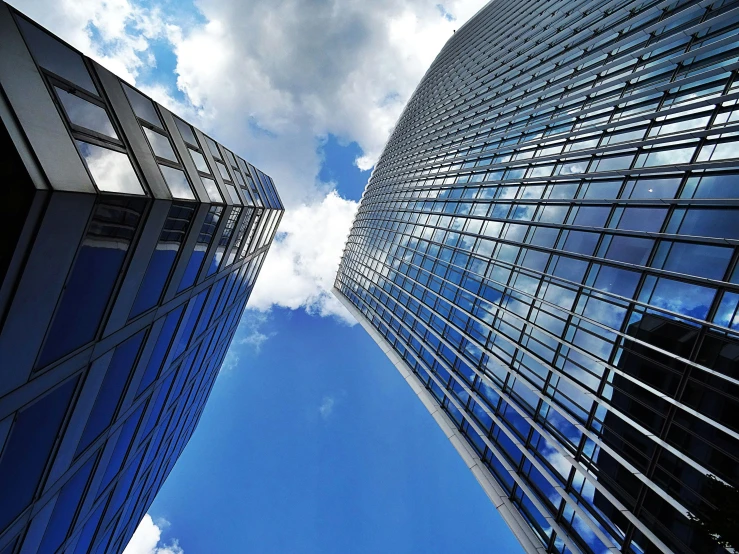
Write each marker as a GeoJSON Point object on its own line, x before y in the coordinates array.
{"type": "Point", "coordinates": [164, 339]}
{"type": "Point", "coordinates": [192, 318]}
{"type": "Point", "coordinates": [160, 144]}
{"type": "Point", "coordinates": [112, 171]}
{"type": "Point", "coordinates": [233, 194]}
{"type": "Point", "coordinates": [161, 262]}
{"type": "Point", "coordinates": [65, 508]}
{"type": "Point", "coordinates": [55, 56]}
{"type": "Point", "coordinates": [212, 189]}
{"type": "Point", "coordinates": [631, 250]}
{"type": "Point", "coordinates": [186, 131]}
{"type": "Point", "coordinates": [177, 182]}
{"type": "Point", "coordinates": [86, 114]}
{"type": "Point", "coordinates": [711, 223]}
{"type": "Point", "coordinates": [111, 391]}
{"type": "Point", "coordinates": [199, 160]}
{"type": "Point", "coordinates": [698, 259]}
{"type": "Point", "coordinates": [28, 449]}
{"type": "Point", "coordinates": [683, 298]}
{"type": "Point", "coordinates": [213, 147]}
{"type": "Point", "coordinates": [142, 106]}
{"type": "Point", "coordinates": [204, 239]}
{"type": "Point", "coordinates": [92, 278]}
{"type": "Point", "coordinates": [223, 171]}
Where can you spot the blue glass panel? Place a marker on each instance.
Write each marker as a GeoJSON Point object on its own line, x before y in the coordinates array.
{"type": "Point", "coordinates": [699, 259]}
{"type": "Point", "coordinates": [711, 223]}
{"type": "Point", "coordinates": [92, 279]}
{"type": "Point", "coordinates": [28, 448]}
{"type": "Point", "coordinates": [204, 240]}
{"type": "Point", "coordinates": [88, 531]}
{"type": "Point", "coordinates": [112, 389]}
{"type": "Point", "coordinates": [158, 403]}
{"type": "Point", "coordinates": [631, 250]}
{"type": "Point", "coordinates": [160, 349]}
{"type": "Point", "coordinates": [683, 298]}
{"type": "Point", "coordinates": [66, 507]}
{"type": "Point", "coordinates": [197, 305]}
{"type": "Point", "coordinates": [122, 446]}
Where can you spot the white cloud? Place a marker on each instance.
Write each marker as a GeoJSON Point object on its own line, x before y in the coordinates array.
{"type": "Point", "coordinates": [250, 330]}
{"type": "Point", "coordinates": [147, 538]}
{"type": "Point", "coordinates": [327, 407]}
{"type": "Point", "coordinates": [301, 266]}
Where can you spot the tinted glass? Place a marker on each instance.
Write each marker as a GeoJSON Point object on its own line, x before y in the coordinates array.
{"type": "Point", "coordinates": [122, 446]}
{"type": "Point", "coordinates": [160, 144]}
{"type": "Point", "coordinates": [86, 114]}
{"type": "Point", "coordinates": [213, 147]}
{"type": "Point", "coordinates": [212, 189]}
{"type": "Point", "coordinates": [187, 329]}
{"type": "Point", "coordinates": [199, 160]}
{"type": "Point", "coordinates": [164, 339]}
{"type": "Point", "coordinates": [111, 391]}
{"type": "Point", "coordinates": [92, 278]}
{"type": "Point", "coordinates": [88, 531]}
{"type": "Point", "coordinates": [142, 106]}
{"type": "Point", "coordinates": [66, 507]}
{"type": "Point", "coordinates": [223, 171]}
{"type": "Point", "coordinates": [28, 448]}
{"type": "Point", "coordinates": [162, 260]}
{"type": "Point", "coordinates": [224, 240]}
{"type": "Point", "coordinates": [112, 171]}
{"type": "Point", "coordinates": [198, 255]}
{"type": "Point", "coordinates": [53, 55]}
{"type": "Point", "coordinates": [177, 182]}
{"type": "Point", "coordinates": [186, 131]}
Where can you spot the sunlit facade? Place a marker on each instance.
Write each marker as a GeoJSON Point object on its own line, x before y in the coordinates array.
{"type": "Point", "coordinates": [546, 250]}
{"type": "Point", "coordinates": [131, 242]}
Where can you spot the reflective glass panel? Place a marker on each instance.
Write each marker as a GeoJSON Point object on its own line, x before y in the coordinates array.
{"type": "Point", "coordinates": [111, 391]}
{"type": "Point", "coordinates": [199, 160]}
{"type": "Point", "coordinates": [164, 339]}
{"type": "Point", "coordinates": [142, 106]}
{"type": "Point", "coordinates": [212, 189]}
{"type": "Point", "coordinates": [86, 114]}
{"type": "Point", "coordinates": [177, 182]}
{"type": "Point", "coordinates": [92, 278]}
{"type": "Point", "coordinates": [186, 131]}
{"type": "Point", "coordinates": [28, 448]}
{"type": "Point", "coordinates": [160, 144]}
{"type": "Point", "coordinates": [201, 247]}
{"type": "Point", "coordinates": [53, 55]}
{"type": "Point", "coordinates": [162, 260]}
{"type": "Point", "coordinates": [112, 171]}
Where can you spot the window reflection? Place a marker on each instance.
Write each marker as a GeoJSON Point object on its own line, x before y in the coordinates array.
{"type": "Point", "coordinates": [55, 56]}
{"type": "Point", "coordinates": [186, 131]}
{"type": "Point", "coordinates": [199, 160]}
{"type": "Point", "coordinates": [160, 144]}
{"type": "Point", "coordinates": [177, 182]}
{"type": "Point", "coordinates": [86, 114]}
{"type": "Point", "coordinates": [142, 106]}
{"type": "Point", "coordinates": [201, 247]}
{"type": "Point", "coordinates": [111, 170]}
{"type": "Point", "coordinates": [212, 189]}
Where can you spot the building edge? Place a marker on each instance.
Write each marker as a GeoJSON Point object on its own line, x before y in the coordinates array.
{"type": "Point", "coordinates": [521, 530]}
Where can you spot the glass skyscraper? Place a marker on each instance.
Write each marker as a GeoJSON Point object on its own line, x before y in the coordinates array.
{"type": "Point", "coordinates": [130, 244]}
{"type": "Point", "coordinates": [546, 250]}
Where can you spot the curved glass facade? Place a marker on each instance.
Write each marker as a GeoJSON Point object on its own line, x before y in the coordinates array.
{"type": "Point", "coordinates": [547, 251]}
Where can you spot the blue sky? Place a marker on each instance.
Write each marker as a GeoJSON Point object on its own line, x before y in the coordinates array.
{"type": "Point", "coordinates": [311, 442]}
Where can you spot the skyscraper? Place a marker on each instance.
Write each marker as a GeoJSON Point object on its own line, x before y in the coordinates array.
{"type": "Point", "coordinates": [131, 242]}
{"type": "Point", "coordinates": [546, 250]}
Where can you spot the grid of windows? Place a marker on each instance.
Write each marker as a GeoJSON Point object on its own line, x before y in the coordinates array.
{"type": "Point", "coordinates": [548, 246]}
{"type": "Point", "coordinates": [123, 307]}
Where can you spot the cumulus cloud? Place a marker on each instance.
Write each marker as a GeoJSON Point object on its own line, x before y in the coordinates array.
{"type": "Point", "coordinates": [301, 266]}
{"type": "Point", "coordinates": [251, 330]}
{"type": "Point", "coordinates": [147, 538]}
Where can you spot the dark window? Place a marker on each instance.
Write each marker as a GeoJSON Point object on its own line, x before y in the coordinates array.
{"type": "Point", "coordinates": [88, 531]}
{"type": "Point", "coordinates": [711, 223]}
{"type": "Point", "coordinates": [186, 131]}
{"type": "Point", "coordinates": [92, 279]}
{"type": "Point", "coordinates": [187, 329]}
{"type": "Point", "coordinates": [56, 56]}
{"type": "Point", "coordinates": [122, 446]}
{"type": "Point", "coordinates": [111, 391]}
{"type": "Point", "coordinates": [66, 508]}
{"type": "Point", "coordinates": [163, 259]}
{"type": "Point", "coordinates": [154, 366]}
{"type": "Point", "coordinates": [28, 449]}
{"type": "Point", "coordinates": [223, 242]}
{"type": "Point", "coordinates": [85, 114]}
{"type": "Point", "coordinates": [142, 106]}
{"type": "Point", "coordinates": [201, 248]}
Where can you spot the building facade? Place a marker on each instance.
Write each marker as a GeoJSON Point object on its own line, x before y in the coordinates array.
{"type": "Point", "coordinates": [547, 252]}
{"type": "Point", "coordinates": [131, 242]}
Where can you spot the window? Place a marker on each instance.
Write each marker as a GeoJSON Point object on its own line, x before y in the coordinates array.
{"type": "Point", "coordinates": [154, 366]}
{"type": "Point", "coordinates": [163, 259]}
{"type": "Point", "coordinates": [201, 248]}
{"type": "Point", "coordinates": [85, 114]}
{"type": "Point", "coordinates": [111, 170]}
{"type": "Point", "coordinates": [225, 239]}
{"type": "Point", "coordinates": [111, 391]}
{"type": "Point", "coordinates": [28, 448]}
{"type": "Point", "coordinates": [93, 276]}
